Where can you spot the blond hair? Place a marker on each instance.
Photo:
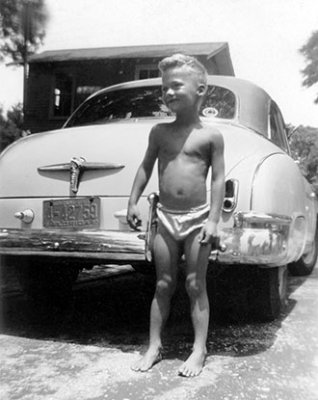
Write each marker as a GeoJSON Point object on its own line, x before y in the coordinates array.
{"type": "Point", "coordinates": [182, 60]}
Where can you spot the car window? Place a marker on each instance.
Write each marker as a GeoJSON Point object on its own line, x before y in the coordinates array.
{"type": "Point", "coordinates": [219, 102]}
{"type": "Point", "coordinates": [145, 102]}
{"type": "Point", "coordinates": [277, 128]}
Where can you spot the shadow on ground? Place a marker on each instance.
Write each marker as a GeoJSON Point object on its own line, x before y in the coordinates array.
{"type": "Point", "coordinates": [114, 312]}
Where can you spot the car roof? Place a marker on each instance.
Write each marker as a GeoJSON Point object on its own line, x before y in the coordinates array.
{"type": "Point", "coordinates": [252, 101]}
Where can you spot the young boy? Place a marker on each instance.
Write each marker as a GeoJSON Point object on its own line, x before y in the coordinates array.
{"type": "Point", "coordinates": [185, 149]}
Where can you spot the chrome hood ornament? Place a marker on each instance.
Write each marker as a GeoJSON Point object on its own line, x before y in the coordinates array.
{"type": "Point", "coordinates": [76, 167]}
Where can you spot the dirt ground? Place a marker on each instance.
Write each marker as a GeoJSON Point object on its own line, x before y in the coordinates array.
{"type": "Point", "coordinates": [85, 350]}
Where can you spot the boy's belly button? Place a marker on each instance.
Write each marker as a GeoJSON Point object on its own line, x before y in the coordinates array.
{"type": "Point", "coordinates": [180, 192]}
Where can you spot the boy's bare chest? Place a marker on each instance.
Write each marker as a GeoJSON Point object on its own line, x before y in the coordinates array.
{"type": "Point", "coordinates": [191, 146]}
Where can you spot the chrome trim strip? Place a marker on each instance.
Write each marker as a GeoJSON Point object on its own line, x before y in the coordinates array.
{"type": "Point", "coordinates": [77, 166]}
{"type": "Point", "coordinates": [241, 218]}
{"type": "Point", "coordinates": [87, 166]}
{"type": "Point", "coordinates": [132, 257]}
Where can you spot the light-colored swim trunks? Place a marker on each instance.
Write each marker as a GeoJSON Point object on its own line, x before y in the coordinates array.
{"type": "Point", "coordinates": [181, 223]}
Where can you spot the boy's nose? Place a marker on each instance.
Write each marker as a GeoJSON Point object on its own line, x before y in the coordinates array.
{"type": "Point", "coordinates": [170, 92]}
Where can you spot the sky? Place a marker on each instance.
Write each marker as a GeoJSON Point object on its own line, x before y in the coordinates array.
{"type": "Point", "coordinates": [264, 38]}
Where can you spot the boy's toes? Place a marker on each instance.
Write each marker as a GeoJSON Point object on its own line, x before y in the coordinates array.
{"type": "Point", "coordinates": [147, 361]}
{"type": "Point", "coordinates": [193, 365]}
{"type": "Point", "coordinates": [135, 367]}
{"type": "Point", "coordinates": [183, 373]}
{"type": "Point", "coordinates": [188, 372]}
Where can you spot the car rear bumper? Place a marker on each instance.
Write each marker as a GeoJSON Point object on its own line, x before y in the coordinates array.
{"type": "Point", "coordinates": [263, 239]}
{"type": "Point", "coordinates": [260, 239]}
{"type": "Point", "coordinates": [105, 245]}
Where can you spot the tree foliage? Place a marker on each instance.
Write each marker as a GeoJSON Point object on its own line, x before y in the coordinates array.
{"type": "Point", "coordinates": [310, 52]}
{"type": "Point", "coordinates": [304, 148]}
{"type": "Point", "coordinates": [11, 125]}
{"type": "Point", "coordinates": [22, 28]}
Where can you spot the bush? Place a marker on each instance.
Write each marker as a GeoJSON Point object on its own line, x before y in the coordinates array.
{"type": "Point", "coordinates": [304, 148]}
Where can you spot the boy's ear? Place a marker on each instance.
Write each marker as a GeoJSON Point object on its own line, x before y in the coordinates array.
{"type": "Point", "coordinates": [202, 88]}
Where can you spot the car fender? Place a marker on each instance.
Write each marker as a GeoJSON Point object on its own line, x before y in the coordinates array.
{"type": "Point", "coordinates": [278, 188]}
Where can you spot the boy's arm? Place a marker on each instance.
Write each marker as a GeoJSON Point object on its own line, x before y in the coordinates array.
{"type": "Point", "coordinates": [217, 189]}
{"type": "Point", "coordinates": [141, 179]}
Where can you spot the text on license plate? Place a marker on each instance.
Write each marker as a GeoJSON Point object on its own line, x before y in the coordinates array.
{"type": "Point", "coordinates": [72, 213]}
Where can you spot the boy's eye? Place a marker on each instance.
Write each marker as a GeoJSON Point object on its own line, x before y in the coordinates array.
{"type": "Point", "coordinates": [174, 86]}
{"type": "Point", "coordinates": [177, 86]}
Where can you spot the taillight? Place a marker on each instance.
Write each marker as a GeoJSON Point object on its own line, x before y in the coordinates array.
{"type": "Point", "coordinates": [231, 193]}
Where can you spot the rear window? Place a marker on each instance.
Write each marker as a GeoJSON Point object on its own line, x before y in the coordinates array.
{"type": "Point", "coordinates": [145, 102]}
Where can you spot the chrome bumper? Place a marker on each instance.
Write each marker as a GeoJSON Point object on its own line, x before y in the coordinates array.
{"type": "Point", "coordinates": [106, 245]}
{"type": "Point", "coordinates": [261, 239]}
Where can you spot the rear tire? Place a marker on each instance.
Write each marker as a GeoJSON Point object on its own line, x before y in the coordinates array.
{"type": "Point", "coordinates": [228, 289]}
{"type": "Point", "coordinates": [268, 293]}
{"type": "Point", "coordinates": [305, 265]}
{"type": "Point", "coordinates": [36, 277]}
{"type": "Point", "coordinates": [48, 287]}
{"type": "Point", "coordinates": [247, 292]}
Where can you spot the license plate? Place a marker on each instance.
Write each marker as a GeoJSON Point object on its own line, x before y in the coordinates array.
{"type": "Point", "coordinates": [72, 213]}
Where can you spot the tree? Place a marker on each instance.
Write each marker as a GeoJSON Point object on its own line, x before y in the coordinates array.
{"type": "Point", "coordinates": [22, 28]}
{"type": "Point", "coordinates": [11, 125]}
{"type": "Point", "coordinates": [310, 52]}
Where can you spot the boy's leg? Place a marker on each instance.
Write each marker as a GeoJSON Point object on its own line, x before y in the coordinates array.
{"type": "Point", "coordinates": [196, 267]}
{"type": "Point", "coordinates": [167, 254]}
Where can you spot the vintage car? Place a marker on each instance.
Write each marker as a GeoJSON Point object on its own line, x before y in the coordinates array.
{"type": "Point", "coordinates": [64, 193]}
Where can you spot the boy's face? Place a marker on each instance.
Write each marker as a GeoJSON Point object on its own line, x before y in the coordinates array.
{"type": "Point", "coordinates": [181, 89]}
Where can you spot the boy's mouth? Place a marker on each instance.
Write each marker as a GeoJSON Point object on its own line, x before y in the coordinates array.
{"type": "Point", "coordinates": [171, 101]}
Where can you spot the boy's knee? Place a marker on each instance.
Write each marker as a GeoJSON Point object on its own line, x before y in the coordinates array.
{"type": "Point", "coordinates": [194, 287]}
{"type": "Point", "coordinates": [165, 288]}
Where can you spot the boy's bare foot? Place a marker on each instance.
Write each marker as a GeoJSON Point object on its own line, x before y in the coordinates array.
{"type": "Point", "coordinates": [193, 365]}
{"type": "Point", "coordinates": [150, 358]}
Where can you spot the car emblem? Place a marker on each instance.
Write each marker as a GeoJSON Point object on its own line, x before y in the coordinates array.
{"type": "Point", "coordinates": [76, 167]}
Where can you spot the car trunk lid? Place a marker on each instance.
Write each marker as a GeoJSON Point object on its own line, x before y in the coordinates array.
{"type": "Point", "coordinates": [99, 160]}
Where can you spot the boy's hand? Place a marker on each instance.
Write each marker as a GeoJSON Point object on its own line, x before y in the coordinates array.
{"type": "Point", "coordinates": [133, 218]}
{"type": "Point", "coordinates": [209, 234]}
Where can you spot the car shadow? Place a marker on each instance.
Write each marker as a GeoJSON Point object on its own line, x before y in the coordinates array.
{"type": "Point", "coordinates": [114, 312]}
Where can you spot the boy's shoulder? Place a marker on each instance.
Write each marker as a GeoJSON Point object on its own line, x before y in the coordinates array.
{"type": "Point", "coordinates": [211, 130]}
{"type": "Point", "coordinates": [161, 128]}
{"type": "Point", "coordinates": [213, 136]}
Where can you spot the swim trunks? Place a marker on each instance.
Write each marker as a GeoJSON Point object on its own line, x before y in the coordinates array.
{"type": "Point", "coordinates": [181, 223]}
